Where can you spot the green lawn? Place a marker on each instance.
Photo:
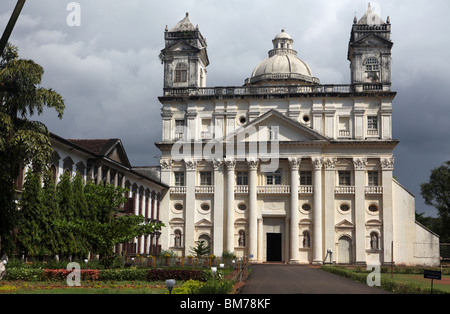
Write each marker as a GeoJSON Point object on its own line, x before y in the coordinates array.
{"type": "Point", "coordinates": [418, 280]}
{"type": "Point", "coordinates": [121, 287]}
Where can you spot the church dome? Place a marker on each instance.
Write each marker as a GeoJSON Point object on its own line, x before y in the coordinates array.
{"type": "Point", "coordinates": [282, 66]}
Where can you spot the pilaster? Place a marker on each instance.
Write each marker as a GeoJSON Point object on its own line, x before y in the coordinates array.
{"type": "Point", "coordinates": [230, 163]}
{"type": "Point", "coordinates": [329, 204]}
{"type": "Point", "coordinates": [294, 232]}
{"type": "Point", "coordinates": [189, 212]}
{"type": "Point", "coordinates": [253, 209]}
{"type": "Point", "coordinates": [359, 165]}
{"type": "Point", "coordinates": [218, 212]}
{"type": "Point", "coordinates": [317, 211]}
{"type": "Point", "coordinates": [387, 166]}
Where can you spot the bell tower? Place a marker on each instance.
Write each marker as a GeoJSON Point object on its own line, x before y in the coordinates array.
{"type": "Point", "coordinates": [369, 51]}
{"type": "Point", "coordinates": [184, 57]}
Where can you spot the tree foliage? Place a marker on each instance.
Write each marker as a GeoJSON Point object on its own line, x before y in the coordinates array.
{"type": "Point", "coordinates": [22, 141]}
{"type": "Point", "coordinates": [436, 192]}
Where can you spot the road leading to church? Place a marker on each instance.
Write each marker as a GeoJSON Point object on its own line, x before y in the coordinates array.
{"type": "Point", "coordinates": [293, 279]}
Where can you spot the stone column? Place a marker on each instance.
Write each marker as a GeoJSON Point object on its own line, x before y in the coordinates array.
{"type": "Point", "coordinates": [166, 170]}
{"type": "Point", "coordinates": [317, 211]}
{"type": "Point", "coordinates": [329, 205]}
{"type": "Point", "coordinates": [387, 166]}
{"type": "Point", "coordinates": [189, 212]}
{"type": "Point", "coordinates": [230, 163]}
{"type": "Point", "coordinates": [294, 237]}
{"type": "Point", "coordinates": [253, 209]}
{"type": "Point", "coordinates": [218, 223]}
{"type": "Point", "coordinates": [360, 221]}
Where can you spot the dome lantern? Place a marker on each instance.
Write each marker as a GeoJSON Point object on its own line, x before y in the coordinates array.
{"type": "Point", "coordinates": [282, 66]}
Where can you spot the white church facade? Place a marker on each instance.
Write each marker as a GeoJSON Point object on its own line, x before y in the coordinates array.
{"type": "Point", "coordinates": [284, 168]}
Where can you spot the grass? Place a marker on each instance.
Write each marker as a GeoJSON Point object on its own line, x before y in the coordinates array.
{"type": "Point", "coordinates": [97, 287]}
{"type": "Point", "coordinates": [419, 281]}
{"type": "Point", "coordinates": [402, 281]}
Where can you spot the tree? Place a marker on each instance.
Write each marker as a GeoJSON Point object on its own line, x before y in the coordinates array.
{"type": "Point", "coordinates": [437, 193]}
{"type": "Point", "coordinates": [53, 240]}
{"type": "Point", "coordinates": [22, 141]}
{"type": "Point", "coordinates": [30, 235]}
{"type": "Point", "coordinates": [200, 250]}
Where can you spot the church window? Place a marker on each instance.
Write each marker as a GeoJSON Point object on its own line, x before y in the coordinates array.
{"type": "Point", "coordinates": [242, 206]}
{"type": "Point", "coordinates": [372, 125]}
{"type": "Point", "coordinates": [180, 73]}
{"type": "Point", "coordinates": [306, 118]}
{"type": "Point", "coordinates": [372, 178]}
{"type": "Point", "coordinates": [241, 178]}
{"type": "Point", "coordinates": [205, 207]}
{"type": "Point", "coordinates": [345, 207]}
{"type": "Point", "coordinates": [305, 178]}
{"type": "Point", "coordinates": [373, 208]}
{"type": "Point", "coordinates": [273, 133]}
{"type": "Point", "coordinates": [372, 66]}
{"type": "Point", "coordinates": [273, 178]}
{"type": "Point", "coordinates": [306, 207]}
{"type": "Point", "coordinates": [179, 128]}
{"type": "Point", "coordinates": [179, 178]}
{"type": "Point", "coordinates": [178, 206]}
{"type": "Point", "coordinates": [344, 178]}
{"type": "Point", "coordinates": [205, 178]}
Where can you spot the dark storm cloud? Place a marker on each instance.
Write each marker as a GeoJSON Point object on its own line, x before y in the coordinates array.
{"type": "Point", "coordinates": [110, 75]}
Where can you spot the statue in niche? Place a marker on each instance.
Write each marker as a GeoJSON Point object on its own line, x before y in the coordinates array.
{"type": "Point", "coordinates": [306, 239]}
{"type": "Point", "coordinates": [177, 239]}
{"type": "Point", "coordinates": [374, 242]}
{"type": "Point", "coordinates": [241, 240]}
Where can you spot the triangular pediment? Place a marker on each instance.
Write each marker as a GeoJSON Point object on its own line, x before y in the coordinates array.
{"type": "Point", "coordinates": [372, 40]}
{"type": "Point", "coordinates": [278, 126]}
{"type": "Point", "coordinates": [205, 223]}
{"type": "Point", "coordinates": [181, 46]}
{"type": "Point", "coordinates": [344, 224]}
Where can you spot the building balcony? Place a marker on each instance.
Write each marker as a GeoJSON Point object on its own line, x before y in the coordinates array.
{"type": "Point", "coordinates": [204, 189]}
{"type": "Point", "coordinates": [177, 190]}
{"type": "Point", "coordinates": [273, 189]}
{"type": "Point", "coordinates": [373, 190]}
{"type": "Point", "coordinates": [347, 189]}
{"type": "Point", "coordinates": [306, 189]}
{"type": "Point", "coordinates": [241, 189]}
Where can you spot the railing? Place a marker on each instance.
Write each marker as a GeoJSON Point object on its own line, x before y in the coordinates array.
{"type": "Point", "coordinates": [273, 189]}
{"type": "Point", "coordinates": [306, 189]}
{"type": "Point", "coordinates": [270, 90]}
{"type": "Point", "coordinates": [204, 189]}
{"type": "Point", "coordinates": [344, 190]}
{"type": "Point", "coordinates": [373, 190]}
{"type": "Point", "coordinates": [177, 190]}
{"type": "Point", "coordinates": [344, 133]}
{"type": "Point", "coordinates": [241, 189]}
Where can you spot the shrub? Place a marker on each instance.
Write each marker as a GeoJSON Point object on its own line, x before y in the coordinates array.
{"type": "Point", "coordinates": [208, 287]}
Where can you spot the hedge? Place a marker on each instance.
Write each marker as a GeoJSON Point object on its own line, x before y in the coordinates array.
{"type": "Point", "coordinates": [119, 274]}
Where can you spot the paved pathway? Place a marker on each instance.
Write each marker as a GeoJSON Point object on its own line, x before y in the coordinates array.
{"type": "Point", "coordinates": [295, 279]}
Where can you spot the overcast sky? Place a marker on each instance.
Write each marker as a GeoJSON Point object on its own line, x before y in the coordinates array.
{"type": "Point", "coordinates": [108, 70]}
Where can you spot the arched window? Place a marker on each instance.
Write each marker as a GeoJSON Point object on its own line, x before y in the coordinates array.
{"type": "Point", "coordinates": [181, 73]}
{"type": "Point", "coordinates": [372, 66]}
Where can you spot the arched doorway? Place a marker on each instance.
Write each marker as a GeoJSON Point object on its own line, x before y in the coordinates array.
{"type": "Point", "coordinates": [345, 251]}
